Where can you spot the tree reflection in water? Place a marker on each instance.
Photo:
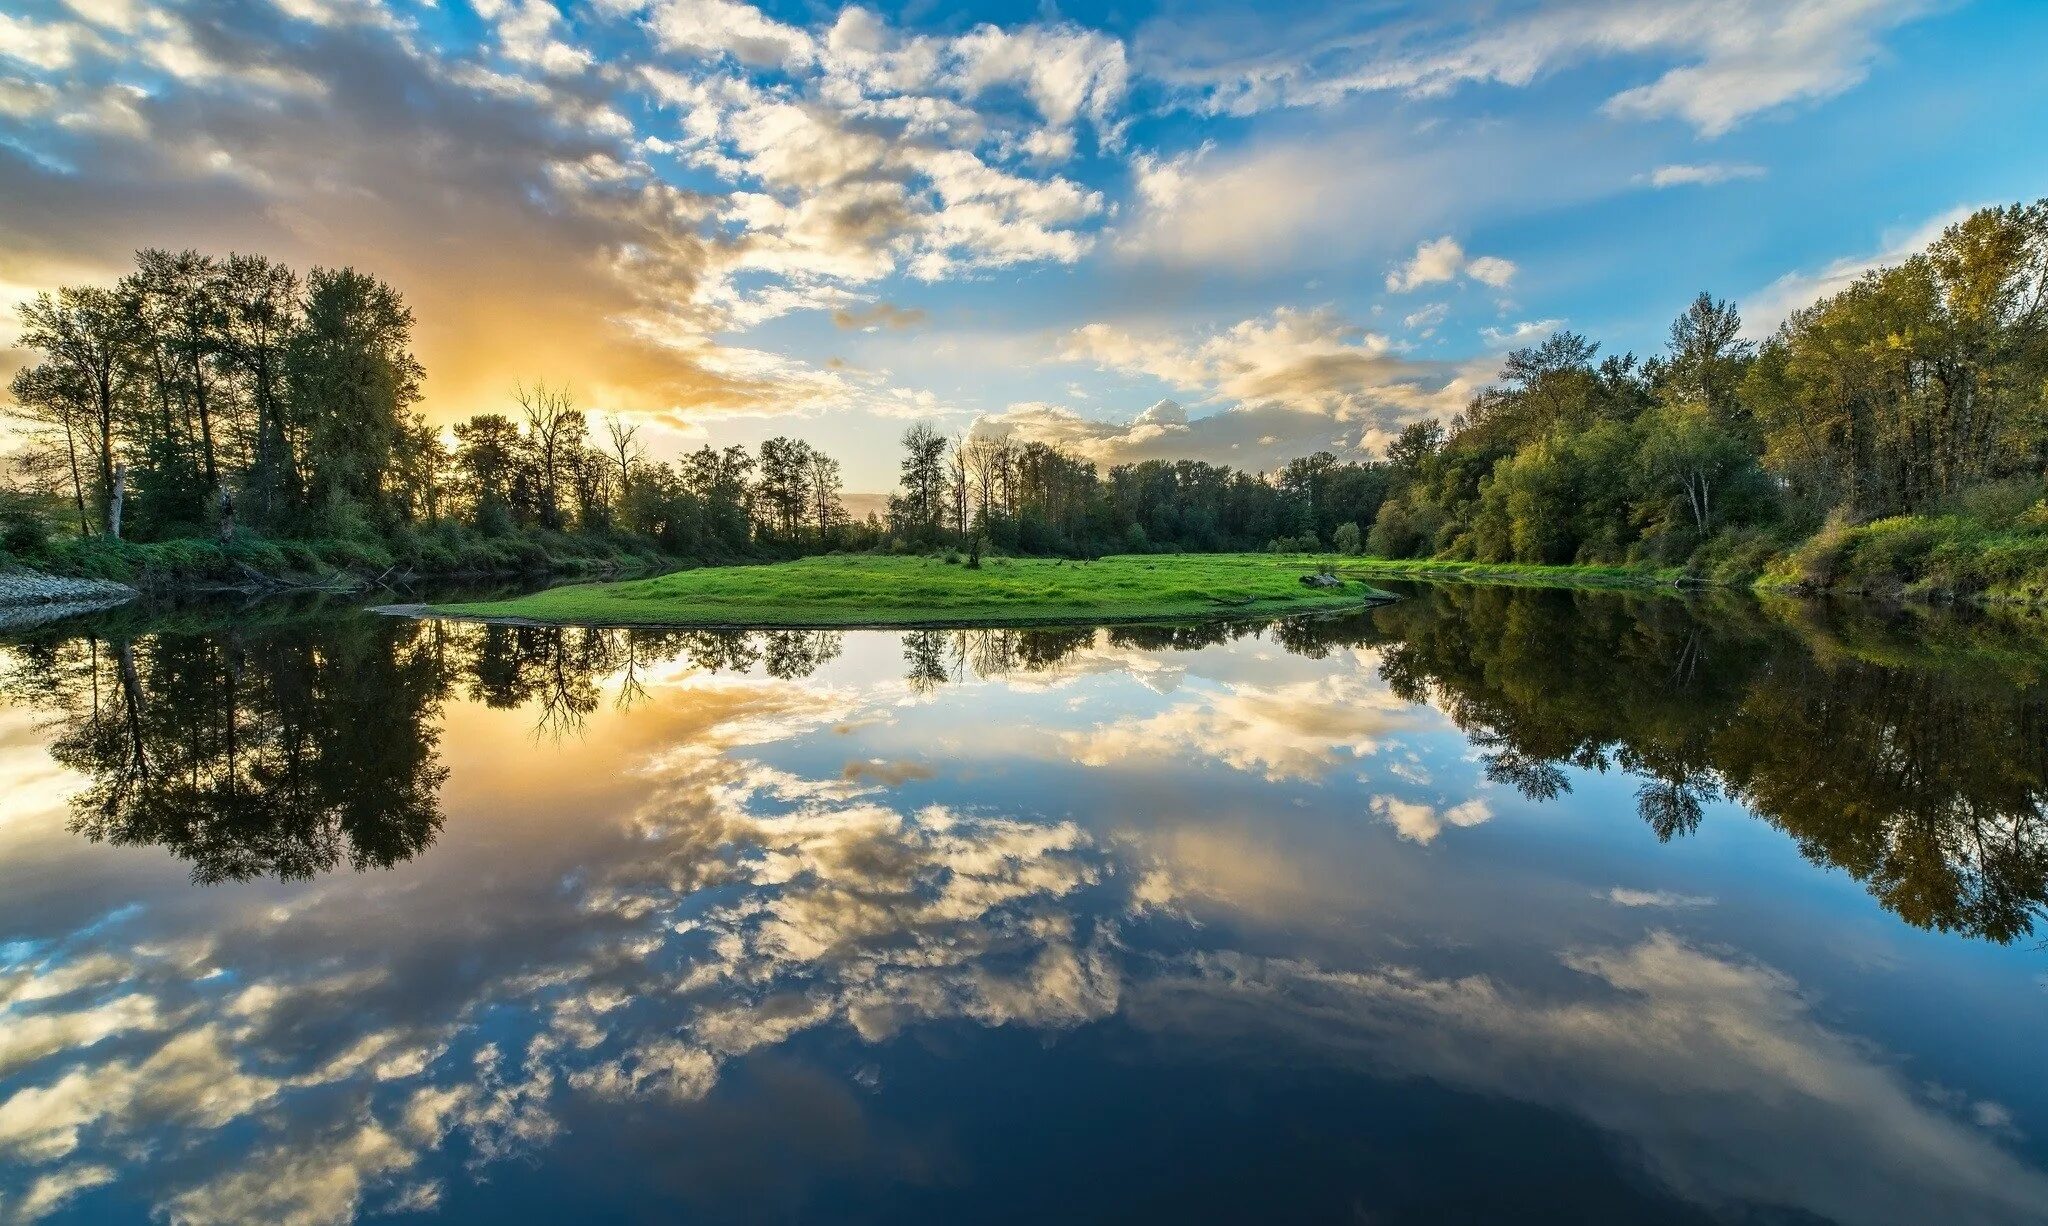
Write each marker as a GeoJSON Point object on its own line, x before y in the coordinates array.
{"type": "Point", "coordinates": [1913, 757]}
{"type": "Point", "coordinates": [1915, 760]}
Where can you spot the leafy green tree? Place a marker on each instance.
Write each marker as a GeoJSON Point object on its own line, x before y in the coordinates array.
{"type": "Point", "coordinates": [353, 381]}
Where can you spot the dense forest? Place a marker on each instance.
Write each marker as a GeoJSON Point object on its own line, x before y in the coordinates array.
{"type": "Point", "coordinates": [1893, 434]}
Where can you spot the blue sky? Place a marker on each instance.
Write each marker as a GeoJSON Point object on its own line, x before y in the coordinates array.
{"type": "Point", "coordinates": [1233, 231]}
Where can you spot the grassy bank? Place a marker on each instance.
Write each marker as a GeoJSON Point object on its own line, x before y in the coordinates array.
{"type": "Point", "coordinates": [1526, 573]}
{"type": "Point", "coordinates": [911, 591]}
{"type": "Point", "coordinates": [200, 565]}
{"type": "Point", "coordinates": [1945, 557]}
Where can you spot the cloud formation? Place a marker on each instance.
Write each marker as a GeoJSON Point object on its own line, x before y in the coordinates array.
{"type": "Point", "coordinates": [1716, 63]}
{"type": "Point", "coordinates": [1701, 174]}
{"type": "Point", "coordinates": [1442, 260]}
{"type": "Point", "coordinates": [602, 216]}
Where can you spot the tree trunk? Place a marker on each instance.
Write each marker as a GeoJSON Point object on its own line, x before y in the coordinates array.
{"type": "Point", "coordinates": [115, 497]}
{"type": "Point", "coordinates": [77, 482]}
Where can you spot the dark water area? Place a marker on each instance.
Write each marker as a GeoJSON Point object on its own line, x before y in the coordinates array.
{"type": "Point", "coordinates": [1491, 904]}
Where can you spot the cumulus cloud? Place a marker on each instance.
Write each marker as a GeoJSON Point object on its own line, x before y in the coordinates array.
{"type": "Point", "coordinates": [1420, 822]}
{"type": "Point", "coordinates": [1716, 1070]}
{"type": "Point", "coordinates": [1300, 730]}
{"type": "Point", "coordinates": [1281, 385]}
{"type": "Point", "coordinates": [1444, 259]}
{"type": "Point", "coordinates": [545, 215]}
{"type": "Point", "coordinates": [1308, 360]}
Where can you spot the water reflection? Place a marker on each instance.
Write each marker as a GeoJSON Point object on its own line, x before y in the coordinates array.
{"type": "Point", "coordinates": [292, 749]}
{"type": "Point", "coordinates": [955, 925]}
{"type": "Point", "coordinates": [1923, 773]}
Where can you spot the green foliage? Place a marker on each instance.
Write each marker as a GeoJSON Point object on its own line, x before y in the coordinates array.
{"type": "Point", "coordinates": [881, 590]}
{"type": "Point", "coordinates": [1902, 424]}
{"type": "Point", "coordinates": [1945, 555]}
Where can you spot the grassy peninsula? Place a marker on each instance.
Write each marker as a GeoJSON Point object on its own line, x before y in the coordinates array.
{"type": "Point", "coordinates": [875, 590]}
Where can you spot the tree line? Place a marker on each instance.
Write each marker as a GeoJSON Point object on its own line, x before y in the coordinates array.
{"type": "Point", "coordinates": [200, 394]}
{"type": "Point", "coordinates": [1921, 388]}
{"type": "Point", "coordinates": [202, 397]}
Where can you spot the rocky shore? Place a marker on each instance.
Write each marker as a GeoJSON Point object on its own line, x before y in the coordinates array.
{"type": "Point", "coordinates": [29, 588]}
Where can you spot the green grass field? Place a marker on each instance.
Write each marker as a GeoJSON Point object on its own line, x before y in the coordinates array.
{"type": "Point", "coordinates": [914, 591]}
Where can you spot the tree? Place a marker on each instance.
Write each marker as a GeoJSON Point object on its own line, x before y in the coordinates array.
{"type": "Point", "coordinates": [259, 301]}
{"type": "Point", "coordinates": [785, 485]}
{"type": "Point", "coordinates": [353, 381]}
{"type": "Point", "coordinates": [554, 430]}
{"type": "Point", "coordinates": [486, 456]}
{"type": "Point", "coordinates": [1683, 446]}
{"type": "Point", "coordinates": [916, 512]}
{"type": "Point", "coordinates": [57, 400]}
{"type": "Point", "coordinates": [827, 514]}
{"type": "Point", "coordinates": [86, 336]}
{"type": "Point", "coordinates": [624, 450]}
{"type": "Point", "coordinates": [1708, 358]}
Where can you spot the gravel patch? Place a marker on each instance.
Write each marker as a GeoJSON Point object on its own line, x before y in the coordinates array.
{"type": "Point", "coordinates": [27, 587]}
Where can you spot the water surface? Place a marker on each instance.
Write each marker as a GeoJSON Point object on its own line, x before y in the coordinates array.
{"type": "Point", "coordinates": [1567, 906]}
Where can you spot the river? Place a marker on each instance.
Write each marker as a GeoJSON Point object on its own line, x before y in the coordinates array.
{"type": "Point", "coordinates": [1491, 904]}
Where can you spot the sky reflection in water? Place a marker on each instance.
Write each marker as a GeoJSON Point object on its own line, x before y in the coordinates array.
{"type": "Point", "coordinates": [1492, 900]}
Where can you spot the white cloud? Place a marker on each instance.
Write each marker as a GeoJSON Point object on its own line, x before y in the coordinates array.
{"type": "Point", "coordinates": [1516, 335]}
{"type": "Point", "coordinates": [1715, 1071]}
{"type": "Point", "coordinates": [1300, 730]}
{"type": "Point", "coordinates": [1718, 62]}
{"type": "Point", "coordinates": [1701, 175]}
{"type": "Point", "coordinates": [1289, 383]}
{"type": "Point", "coordinates": [1442, 260]}
{"type": "Point", "coordinates": [1427, 318]}
{"type": "Point", "coordinates": [1622, 896]}
{"type": "Point", "coordinates": [50, 1191]}
{"type": "Point", "coordinates": [1313, 361]}
{"type": "Point", "coordinates": [1765, 309]}
{"type": "Point", "coordinates": [1419, 822]}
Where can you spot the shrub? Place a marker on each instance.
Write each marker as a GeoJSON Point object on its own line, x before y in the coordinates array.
{"type": "Point", "coordinates": [1347, 539]}
{"type": "Point", "coordinates": [23, 530]}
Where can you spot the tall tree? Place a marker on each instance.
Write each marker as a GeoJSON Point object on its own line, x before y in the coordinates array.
{"type": "Point", "coordinates": [87, 337]}
{"type": "Point", "coordinates": [917, 511]}
{"type": "Point", "coordinates": [259, 302]}
{"type": "Point", "coordinates": [353, 382]}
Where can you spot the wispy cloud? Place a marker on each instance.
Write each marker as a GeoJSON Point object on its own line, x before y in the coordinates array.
{"type": "Point", "coordinates": [1700, 175]}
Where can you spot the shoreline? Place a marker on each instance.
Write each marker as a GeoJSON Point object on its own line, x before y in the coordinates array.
{"type": "Point", "coordinates": [869, 591]}
{"type": "Point", "coordinates": [424, 612]}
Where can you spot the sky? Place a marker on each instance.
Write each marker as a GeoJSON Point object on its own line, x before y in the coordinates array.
{"type": "Point", "coordinates": [1209, 228]}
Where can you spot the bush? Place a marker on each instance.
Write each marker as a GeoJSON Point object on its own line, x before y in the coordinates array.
{"type": "Point", "coordinates": [1999, 504]}
{"type": "Point", "coordinates": [23, 530]}
{"type": "Point", "coordinates": [1347, 539]}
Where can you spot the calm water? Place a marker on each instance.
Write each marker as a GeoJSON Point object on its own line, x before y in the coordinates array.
{"type": "Point", "coordinates": [1489, 905]}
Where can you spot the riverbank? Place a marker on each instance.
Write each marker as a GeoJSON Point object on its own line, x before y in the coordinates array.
{"type": "Point", "coordinates": [1529, 574]}
{"type": "Point", "coordinates": [848, 591]}
{"type": "Point", "coordinates": [250, 564]}
{"type": "Point", "coordinates": [1944, 559]}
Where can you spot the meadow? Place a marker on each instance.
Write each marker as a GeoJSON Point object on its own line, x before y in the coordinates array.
{"type": "Point", "coordinates": [878, 590]}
